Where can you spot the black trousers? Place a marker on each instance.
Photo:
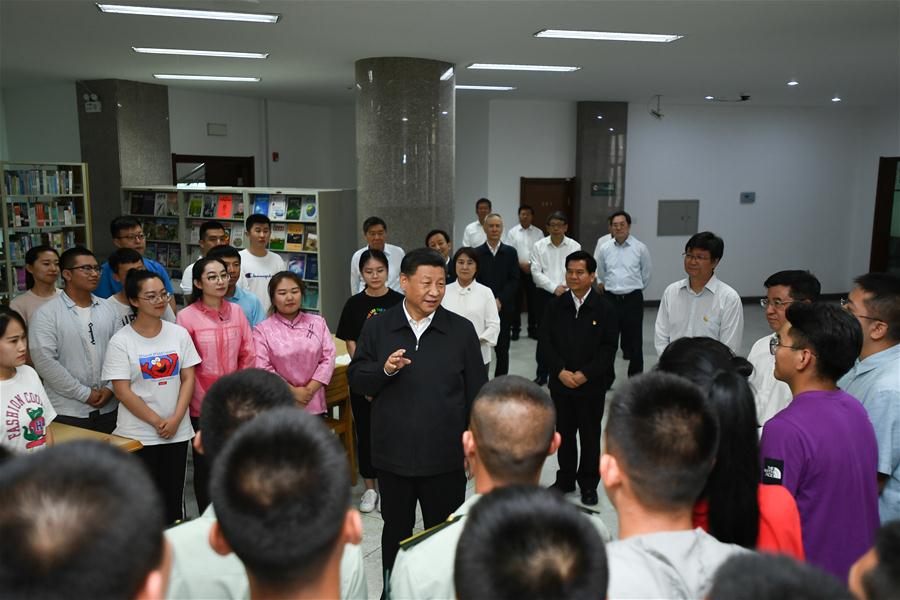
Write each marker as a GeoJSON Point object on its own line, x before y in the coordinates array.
{"type": "Point", "coordinates": [166, 464]}
{"type": "Point", "coordinates": [630, 314]}
{"type": "Point", "coordinates": [541, 298]}
{"type": "Point", "coordinates": [362, 423]}
{"type": "Point", "coordinates": [526, 292]}
{"type": "Point", "coordinates": [201, 473]}
{"type": "Point", "coordinates": [582, 416]}
{"type": "Point", "coordinates": [438, 495]}
{"type": "Point", "coordinates": [104, 423]}
{"type": "Point", "coordinates": [501, 366]}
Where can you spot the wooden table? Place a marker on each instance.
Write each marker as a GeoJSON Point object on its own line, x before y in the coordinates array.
{"type": "Point", "coordinates": [339, 414]}
{"type": "Point", "coordinates": [63, 433]}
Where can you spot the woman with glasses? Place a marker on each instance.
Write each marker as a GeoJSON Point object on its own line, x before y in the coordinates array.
{"type": "Point", "coordinates": [474, 301]}
{"type": "Point", "coordinates": [294, 345]}
{"type": "Point", "coordinates": [41, 275]}
{"type": "Point", "coordinates": [224, 340]}
{"type": "Point", "coordinates": [150, 363]}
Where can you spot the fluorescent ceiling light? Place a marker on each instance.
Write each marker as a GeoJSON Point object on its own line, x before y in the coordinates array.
{"type": "Point", "coordinates": [836, 99]}
{"type": "Point", "coordinates": [611, 36]}
{"type": "Point", "coordinates": [793, 82]}
{"type": "Point", "coordinates": [186, 13]}
{"type": "Point", "coordinates": [447, 74]}
{"type": "Point", "coordinates": [205, 77]}
{"type": "Point", "coordinates": [490, 88]}
{"type": "Point", "coordinates": [213, 53]}
{"type": "Point", "coordinates": [709, 97]}
{"type": "Point", "coordinates": [502, 67]}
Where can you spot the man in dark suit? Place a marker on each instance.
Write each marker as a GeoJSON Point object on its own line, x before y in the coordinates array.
{"type": "Point", "coordinates": [577, 342]}
{"type": "Point", "coordinates": [498, 269]}
{"type": "Point", "coordinates": [422, 367]}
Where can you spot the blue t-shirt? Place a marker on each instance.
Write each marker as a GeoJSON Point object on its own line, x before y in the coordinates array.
{"type": "Point", "coordinates": [250, 304]}
{"type": "Point", "coordinates": [109, 286]}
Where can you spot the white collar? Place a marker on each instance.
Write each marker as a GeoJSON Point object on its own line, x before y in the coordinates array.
{"type": "Point", "coordinates": [413, 322]}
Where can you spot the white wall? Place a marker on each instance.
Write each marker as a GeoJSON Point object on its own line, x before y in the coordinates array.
{"type": "Point", "coordinates": [40, 123]}
{"type": "Point", "coordinates": [472, 119]}
{"type": "Point", "coordinates": [4, 147]}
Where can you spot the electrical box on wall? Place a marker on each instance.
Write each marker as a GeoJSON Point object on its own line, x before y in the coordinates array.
{"type": "Point", "coordinates": [748, 197]}
{"type": "Point", "coordinates": [677, 217]}
{"type": "Point", "coordinates": [218, 129]}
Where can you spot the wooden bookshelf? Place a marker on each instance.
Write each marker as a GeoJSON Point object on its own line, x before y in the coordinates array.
{"type": "Point", "coordinates": [43, 203]}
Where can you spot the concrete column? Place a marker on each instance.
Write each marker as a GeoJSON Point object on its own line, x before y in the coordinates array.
{"type": "Point", "coordinates": [405, 128]}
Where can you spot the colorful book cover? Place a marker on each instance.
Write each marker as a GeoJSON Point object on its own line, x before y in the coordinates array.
{"type": "Point", "coordinates": [150, 251]}
{"type": "Point", "coordinates": [160, 204]}
{"type": "Point", "coordinates": [309, 212]}
{"type": "Point", "coordinates": [310, 297]}
{"type": "Point", "coordinates": [237, 235]}
{"type": "Point", "coordinates": [174, 256]}
{"type": "Point", "coordinates": [294, 208]}
{"type": "Point", "coordinates": [261, 204]}
{"type": "Point", "coordinates": [294, 241]}
{"type": "Point", "coordinates": [311, 242]}
{"type": "Point", "coordinates": [162, 254]}
{"type": "Point", "coordinates": [297, 264]}
{"type": "Point", "coordinates": [279, 237]}
{"type": "Point", "coordinates": [209, 206]}
{"type": "Point", "coordinates": [223, 211]}
{"type": "Point", "coordinates": [312, 267]}
{"type": "Point", "coordinates": [195, 205]}
{"type": "Point", "coordinates": [194, 237]}
{"type": "Point", "coordinates": [238, 208]}
{"type": "Point", "coordinates": [277, 207]}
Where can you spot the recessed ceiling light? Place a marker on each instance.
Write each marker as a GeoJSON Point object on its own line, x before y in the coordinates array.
{"type": "Point", "coordinates": [205, 77]}
{"type": "Point", "coordinates": [213, 53]}
{"type": "Point", "coordinates": [836, 99]}
{"type": "Point", "coordinates": [612, 129]}
{"type": "Point", "coordinates": [612, 36]}
{"type": "Point", "coordinates": [186, 13]}
{"type": "Point", "coordinates": [709, 97]}
{"type": "Point", "coordinates": [600, 117]}
{"type": "Point", "coordinates": [489, 88]}
{"type": "Point", "coordinates": [505, 67]}
{"type": "Point", "coordinates": [793, 82]}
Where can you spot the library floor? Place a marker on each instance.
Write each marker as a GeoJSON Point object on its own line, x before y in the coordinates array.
{"type": "Point", "coordinates": [521, 362]}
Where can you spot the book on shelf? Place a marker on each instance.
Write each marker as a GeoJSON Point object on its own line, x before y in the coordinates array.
{"type": "Point", "coordinates": [309, 211]}
{"type": "Point", "coordinates": [294, 208]}
{"type": "Point", "coordinates": [311, 241]}
{"type": "Point", "coordinates": [312, 267]}
{"type": "Point", "coordinates": [174, 261]}
{"type": "Point", "coordinates": [277, 207]}
{"type": "Point", "coordinates": [310, 297]}
{"type": "Point", "coordinates": [236, 238]}
{"type": "Point", "coordinates": [21, 279]}
{"type": "Point", "coordinates": [279, 237]}
{"type": "Point", "coordinates": [238, 207]}
{"type": "Point", "coordinates": [22, 182]}
{"type": "Point", "coordinates": [226, 227]}
{"type": "Point", "coordinates": [224, 207]}
{"type": "Point", "coordinates": [297, 264]}
{"type": "Point", "coordinates": [165, 204]}
{"type": "Point", "coordinates": [163, 229]}
{"type": "Point", "coordinates": [261, 204]}
{"type": "Point", "coordinates": [195, 235]}
{"type": "Point", "coordinates": [195, 205]}
{"type": "Point", "coordinates": [294, 241]}
{"type": "Point", "coordinates": [209, 206]}
{"type": "Point", "coordinates": [150, 251]}
{"type": "Point", "coordinates": [162, 254]}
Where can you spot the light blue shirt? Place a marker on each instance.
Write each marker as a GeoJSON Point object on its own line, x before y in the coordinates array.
{"type": "Point", "coordinates": [109, 286]}
{"type": "Point", "coordinates": [250, 304]}
{"type": "Point", "coordinates": [875, 382]}
{"type": "Point", "coordinates": [623, 268]}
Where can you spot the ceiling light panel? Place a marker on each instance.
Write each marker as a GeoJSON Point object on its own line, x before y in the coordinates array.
{"type": "Point", "coordinates": [212, 53]}
{"type": "Point", "coordinates": [186, 13]}
{"type": "Point", "coordinates": [489, 88]}
{"type": "Point", "coordinates": [509, 67]}
{"type": "Point", "coordinates": [610, 36]}
{"type": "Point", "coordinates": [204, 77]}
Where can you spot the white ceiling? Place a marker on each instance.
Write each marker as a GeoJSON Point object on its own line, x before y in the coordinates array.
{"type": "Point", "coordinates": [850, 47]}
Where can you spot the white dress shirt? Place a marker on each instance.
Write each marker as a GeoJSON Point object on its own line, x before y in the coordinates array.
{"type": "Point", "coordinates": [474, 235]}
{"type": "Point", "coordinates": [476, 303]}
{"type": "Point", "coordinates": [394, 254]}
{"type": "Point", "coordinates": [418, 328]}
{"type": "Point", "coordinates": [579, 303]}
{"type": "Point", "coordinates": [523, 240]}
{"type": "Point", "coordinates": [623, 268]}
{"type": "Point", "coordinates": [548, 262]}
{"type": "Point", "coordinates": [600, 242]}
{"type": "Point", "coordinates": [771, 396]}
{"type": "Point", "coordinates": [715, 312]}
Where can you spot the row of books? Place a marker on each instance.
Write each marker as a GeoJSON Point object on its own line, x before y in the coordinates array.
{"type": "Point", "coordinates": [162, 229]}
{"type": "Point", "coordinates": [168, 255]}
{"type": "Point", "coordinates": [294, 237]}
{"type": "Point", "coordinates": [216, 206]}
{"type": "Point", "coordinates": [42, 214]}
{"type": "Point", "coordinates": [21, 243]}
{"type": "Point", "coordinates": [39, 181]}
{"type": "Point", "coordinates": [279, 207]}
{"type": "Point", "coordinates": [304, 265]}
{"type": "Point", "coordinates": [160, 204]}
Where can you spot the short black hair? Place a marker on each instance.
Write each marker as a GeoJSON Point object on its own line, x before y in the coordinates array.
{"type": "Point", "coordinates": [883, 581]}
{"type": "Point", "coordinates": [257, 219]}
{"type": "Point", "coordinates": [373, 254]}
{"type": "Point", "coordinates": [589, 261]}
{"type": "Point", "coordinates": [281, 488]}
{"type": "Point", "coordinates": [513, 450]}
{"type": "Point", "coordinates": [225, 251]}
{"type": "Point", "coordinates": [885, 301]}
{"type": "Point", "coordinates": [706, 240]}
{"type": "Point", "coordinates": [664, 436]}
{"type": "Point", "coordinates": [31, 257]}
{"type": "Point", "coordinates": [123, 256]}
{"type": "Point", "coordinates": [527, 542]}
{"type": "Point", "coordinates": [757, 576]}
{"type": "Point", "coordinates": [207, 225]}
{"type": "Point", "coordinates": [525, 207]}
{"type": "Point", "coordinates": [371, 222]}
{"type": "Point", "coordinates": [121, 223]}
{"type": "Point", "coordinates": [235, 399]}
{"type": "Point", "coordinates": [7, 315]}
{"type": "Point", "coordinates": [803, 284]}
{"type": "Point", "coordinates": [558, 215]}
{"type": "Point", "coordinates": [197, 275]}
{"type": "Point", "coordinates": [133, 283]}
{"type": "Point", "coordinates": [435, 232]}
{"type": "Point", "coordinates": [80, 520]}
{"type": "Point", "coordinates": [832, 334]}
{"type": "Point", "coordinates": [619, 213]}
{"type": "Point", "coordinates": [421, 257]}
{"type": "Point", "coordinates": [67, 260]}
{"type": "Point", "coordinates": [483, 201]}
{"type": "Point", "coordinates": [467, 251]}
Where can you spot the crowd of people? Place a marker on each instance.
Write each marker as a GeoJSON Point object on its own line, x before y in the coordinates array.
{"type": "Point", "coordinates": [775, 475]}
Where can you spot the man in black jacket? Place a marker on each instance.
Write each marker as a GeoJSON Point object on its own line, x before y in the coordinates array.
{"type": "Point", "coordinates": [498, 269]}
{"type": "Point", "coordinates": [421, 366]}
{"type": "Point", "coordinates": [577, 342]}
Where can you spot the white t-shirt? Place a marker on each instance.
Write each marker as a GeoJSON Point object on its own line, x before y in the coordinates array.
{"type": "Point", "coordinates": [27, 412]}
{"type": "Point", "coordinates": [153, 366]}
{"type": "Point", "coordinates": [257, 271]}
{"type": "Point", "coordinates": [126, 315]}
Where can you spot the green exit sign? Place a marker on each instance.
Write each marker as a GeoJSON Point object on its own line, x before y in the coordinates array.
{"type": "Point", "coordinates": [603, 188]}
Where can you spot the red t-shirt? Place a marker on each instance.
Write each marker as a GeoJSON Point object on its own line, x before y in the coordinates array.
{"type": "Point", "coordinates": [779, 521]}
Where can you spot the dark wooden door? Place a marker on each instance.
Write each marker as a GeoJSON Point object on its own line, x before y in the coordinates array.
{"type": "Point", "coordinates": [885, 254]}
{"type": "Point", "coordinates": [548, 195]}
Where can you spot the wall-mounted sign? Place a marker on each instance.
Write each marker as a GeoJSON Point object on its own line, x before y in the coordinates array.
{"type": "Point", "coordinates": [603, 188]}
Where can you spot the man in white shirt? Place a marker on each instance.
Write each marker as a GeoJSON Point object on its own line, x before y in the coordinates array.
{"type": "Point", "coordinates": [623, 269]}
{"type": "Point", "coordinates": [782, 289]}
{"type": "Point", "coordinates": [474, 235]}
{"type": "Point", "coordinates": [548, 270]}
{"type": "Point", "coordinates": [258, 263]}
{"type": "Point", "coordinates": [375, 234]}
{"type": "Point", "coordinates": [523, 237]}
{"type": "Point", "coordinates": [439, 240]}
{"type": "Point", "coordinates": [212, 234]}
{"type": "Point", "coordinates": [700, 305]}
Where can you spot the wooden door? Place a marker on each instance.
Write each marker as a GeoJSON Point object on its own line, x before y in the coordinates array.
{"type": "Point", "coordinates": [546, 196]}
{"type": "Point", "coordinates": [885, 252]}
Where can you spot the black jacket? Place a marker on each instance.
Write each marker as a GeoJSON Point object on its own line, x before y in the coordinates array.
{"type": "Point", "coordinates": [420, 413]}
{"type": "Point", "coordinates": [586, 343]}
{"type": "Point", "coordinates": [500, 273]}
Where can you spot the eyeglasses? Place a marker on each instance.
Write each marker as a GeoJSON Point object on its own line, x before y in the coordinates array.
{"type": "Point", "coordinates": [775, 342]}
{"type": "Point", "coordinates": [214, 278]}
{"type": "Point", "coordinates": [694, 257]}
{"type": "Point", "coordinates": [845, 304]}
{"type": "Point", "coordinates": [777, 303]}
{"type": "Point", "coordinates": [86, 269]}
{"type": "Point", "coordinates": [154, 298]}
{"type": "Point", "coordinates": [134, 237]}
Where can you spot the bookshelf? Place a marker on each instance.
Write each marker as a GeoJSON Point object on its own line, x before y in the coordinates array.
{"type": "Point", "coordinates": [43, 203]}
{"type": "Point", "coordinates": [314, 230]}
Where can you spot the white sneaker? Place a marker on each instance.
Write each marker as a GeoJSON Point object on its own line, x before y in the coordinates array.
{"type": "Point", "coordinates": [378, 504]}
{"type": "Point", "coordinates": [368, 501]}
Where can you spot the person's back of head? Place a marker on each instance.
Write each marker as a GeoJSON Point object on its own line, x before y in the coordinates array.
{"type": "Point", "coordinates": [832, 335]}
{"type": "Point", "coordinates": [876, 576]}
{"type": "Point", "coordinates": [513, 428]}
{"type": "Point", "coordinates": [528, 542]}
{"type": "Point", "coordinates": [281, 489]}
{"type": "Point", "coordinates": [753, 576]}
{"type": "Point", "coordinates": [662, 436]}
{"type": "Point", "coordinates": [82, 520]}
